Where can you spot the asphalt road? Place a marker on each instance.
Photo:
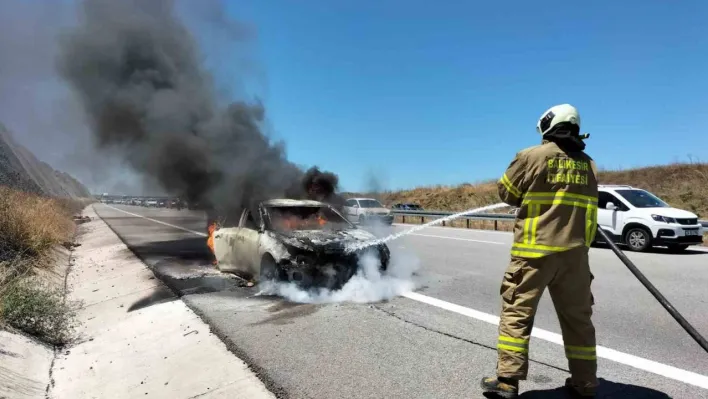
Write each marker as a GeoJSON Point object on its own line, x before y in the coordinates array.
{"type": "Point", "coordinates": [440, 340]}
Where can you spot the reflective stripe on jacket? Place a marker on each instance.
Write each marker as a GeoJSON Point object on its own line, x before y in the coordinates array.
{"type": "Point", "coordinates": [556, 193]}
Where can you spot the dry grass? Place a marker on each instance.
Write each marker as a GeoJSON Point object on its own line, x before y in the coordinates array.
{"type": "Point", "coordinates": [442, 198]}
{"type": "Point", "coordinates": [30, 226]}
{"type": "Point", "coordinates": [39, 309]}
{"type": "Point", "coordinates": [682, 185]}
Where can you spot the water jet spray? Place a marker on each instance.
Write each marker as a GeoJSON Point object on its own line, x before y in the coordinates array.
{"type": "Point", "coordinates": [359, 246]}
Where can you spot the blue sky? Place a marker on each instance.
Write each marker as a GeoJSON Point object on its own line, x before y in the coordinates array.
{"type": "Point", "coordinates": [420, 93]}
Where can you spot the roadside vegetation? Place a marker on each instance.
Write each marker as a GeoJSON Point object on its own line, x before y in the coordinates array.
{"type": "Point", "coordinates": [31, 226]}
{"type": "Point", "coordinates": [682, 185]}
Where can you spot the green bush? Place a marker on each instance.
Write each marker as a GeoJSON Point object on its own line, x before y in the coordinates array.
{"type": "Point", "coordinates": [39, 310]}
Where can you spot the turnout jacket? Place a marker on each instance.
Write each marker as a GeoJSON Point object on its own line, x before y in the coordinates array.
{"type": "Point", "coordinates": [556, 193]}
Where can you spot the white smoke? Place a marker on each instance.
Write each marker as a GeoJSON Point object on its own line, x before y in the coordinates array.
{"type": "Point", "coordinates": [367, 285]}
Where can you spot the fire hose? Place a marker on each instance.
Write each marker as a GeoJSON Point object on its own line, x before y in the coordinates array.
{"type": "Point", "coordinates": [659, 297]}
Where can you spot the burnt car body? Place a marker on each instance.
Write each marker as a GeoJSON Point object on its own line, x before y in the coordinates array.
{"type": "Point", "coordinates": [306, 242]}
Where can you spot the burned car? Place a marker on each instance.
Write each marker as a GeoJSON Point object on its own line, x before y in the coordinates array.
{"type": "Point", "coordinates": [306, 242]}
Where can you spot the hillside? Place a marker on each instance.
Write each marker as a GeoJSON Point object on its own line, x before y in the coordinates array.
{"type": "Point", "coordinates": [21, 170]}
{"type": "Point", "coordinates": [683, 185]}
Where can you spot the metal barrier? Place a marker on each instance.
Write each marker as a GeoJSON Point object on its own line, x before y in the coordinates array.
{"type": "Point", "coordinates": [496, 217]}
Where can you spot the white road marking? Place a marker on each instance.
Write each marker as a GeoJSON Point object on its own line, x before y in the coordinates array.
{"type": "Point", "coordinates": [457, 238]}
{"type": "Point", "coordinates": [158, 221]}
{"type": "Point", "coordinates": [651, 366]}
{"type": "Point", "coordinates": [637, 362]}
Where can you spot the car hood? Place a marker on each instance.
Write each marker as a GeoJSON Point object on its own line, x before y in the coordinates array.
{"type": "Point", "coordinates": [327, 240]}
{"type": "Point", "coordinates": [668, 212]}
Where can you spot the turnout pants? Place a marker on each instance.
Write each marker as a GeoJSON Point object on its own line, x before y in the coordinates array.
{"type": "Point", "coordinates": [568, 278]}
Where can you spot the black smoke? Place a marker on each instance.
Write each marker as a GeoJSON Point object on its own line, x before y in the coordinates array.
{"type": "Point", "coordinates": [138, 73]}
{"type": "Point", "coordinates": [322, 186]}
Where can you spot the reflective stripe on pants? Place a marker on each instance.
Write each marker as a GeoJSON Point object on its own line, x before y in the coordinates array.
{"type": "Point", "coordinates": [568, 278]}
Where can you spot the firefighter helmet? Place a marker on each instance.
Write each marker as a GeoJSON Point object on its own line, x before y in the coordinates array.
{"type": "Point", "coordinates": [563, 113]}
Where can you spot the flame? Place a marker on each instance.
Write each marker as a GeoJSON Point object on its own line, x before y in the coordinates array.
{"type": "Point", "coordinates": [294, 222]}
{"type": "Point", "coordinates": [210, 240]}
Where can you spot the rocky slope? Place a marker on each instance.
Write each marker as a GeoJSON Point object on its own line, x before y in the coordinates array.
{"type": "Point", "coordinates": [21, 170]}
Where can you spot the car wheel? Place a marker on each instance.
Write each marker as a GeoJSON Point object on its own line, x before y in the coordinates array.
{"type": "Point", "coordinates": [638, 239]}
{"type": "Point", "coordinates": [677, 247]}
{"type": "Point", "coordinates": [270, 271]}
{"type": "Point", "coordinates": [362, 219]}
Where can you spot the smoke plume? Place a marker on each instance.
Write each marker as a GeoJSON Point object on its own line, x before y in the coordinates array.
{"type": "Point", "coordinates": [137, 71]}
{"type": "Point", "coordinates": [322, 186]}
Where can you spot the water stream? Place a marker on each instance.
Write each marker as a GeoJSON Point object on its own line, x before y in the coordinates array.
{"type": "Point", "coordinates": [398, 235]}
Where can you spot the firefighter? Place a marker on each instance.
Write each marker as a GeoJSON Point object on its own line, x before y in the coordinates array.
{"type": "Point", "coordinates": [555, 188]}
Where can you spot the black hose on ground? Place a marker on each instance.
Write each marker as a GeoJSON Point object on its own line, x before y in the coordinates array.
{"type": "Point", "coordinates": [663, 301]}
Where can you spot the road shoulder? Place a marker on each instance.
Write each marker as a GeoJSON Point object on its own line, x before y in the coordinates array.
{"type": "Point", "coordinates": [136, 337]}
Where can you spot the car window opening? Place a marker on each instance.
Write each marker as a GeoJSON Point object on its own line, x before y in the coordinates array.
{"type": "Point", "coordinates": [292, 218]}
{"type": "Point", "coordinates": [642, 199]}
{"type": "Point", "coordinates": [367, 203]}
{"type": "Point", "coordinates": [250, 222]}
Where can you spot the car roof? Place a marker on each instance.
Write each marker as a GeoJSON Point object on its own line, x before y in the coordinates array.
{"type": "Point", "coordinates": [292, 202]}
{"type": "Point", "coordinates": [615, 186]}
{"type": "Point", "coordinates": [363, 198]}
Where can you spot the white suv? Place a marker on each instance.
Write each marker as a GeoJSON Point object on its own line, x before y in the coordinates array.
{"type": "Point", "coordinates": [640, 220]}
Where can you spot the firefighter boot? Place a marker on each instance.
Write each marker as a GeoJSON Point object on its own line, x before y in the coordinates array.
{"type": "Point", "coordinates": [586, 390]}
{"type": "Point", "coordinates": [507, 388]}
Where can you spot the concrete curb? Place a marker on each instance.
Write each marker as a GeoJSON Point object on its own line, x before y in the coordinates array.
{"type": "Point", "coordinates": [137, 339]}
{"type": "Point", "coordinates": [24, 366]}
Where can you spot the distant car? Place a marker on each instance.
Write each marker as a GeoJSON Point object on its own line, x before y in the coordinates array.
{"type": "Point", "coordinates": [151, 203]}
{"type": "Point", "coordinates": [366, 210]}
{"type": "Point", "coordinates": [293, 240]}
{"type": "Point", "coordinates": [407, 207]}
{"type": "Point", "coordinates": [640, 220]}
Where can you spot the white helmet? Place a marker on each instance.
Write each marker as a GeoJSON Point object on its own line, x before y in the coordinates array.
{"type": "Point", "coordinates": [555, 115]}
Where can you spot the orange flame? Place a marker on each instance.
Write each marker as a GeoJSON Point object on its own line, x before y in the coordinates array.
{"type": "Point", "coordinates": [294, 222]}
{"type": "Point", "coordinates": [210, 240]}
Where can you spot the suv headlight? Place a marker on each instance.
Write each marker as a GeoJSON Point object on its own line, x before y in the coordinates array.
{"type": "Point", "coordinates": [664, 219]}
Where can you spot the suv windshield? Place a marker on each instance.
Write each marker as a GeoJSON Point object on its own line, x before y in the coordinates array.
{"type": "Point", "coordinates": [292, 218]}
{"type": "Point", "coordinates": [642, 199]}
{"type": "Point", "coordinates": [370, 203]}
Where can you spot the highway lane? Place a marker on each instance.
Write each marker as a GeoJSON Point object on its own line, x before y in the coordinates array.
{"type": "Point", "coordinates": [403, 347]}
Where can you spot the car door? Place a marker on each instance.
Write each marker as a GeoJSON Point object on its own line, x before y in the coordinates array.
{"type": "Point", "coordinates": [231, 246]}
{"type": "Point", "coordinates": [350, 209]}
{"type": "Point", "coordinates": [246, 243]}
{"type": "Point", "coordinates": [610, 220]}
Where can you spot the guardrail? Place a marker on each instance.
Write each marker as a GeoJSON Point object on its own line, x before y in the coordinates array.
{"type": "Point", "coordinates": [496, 217]}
